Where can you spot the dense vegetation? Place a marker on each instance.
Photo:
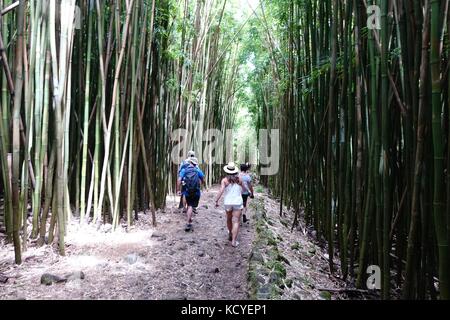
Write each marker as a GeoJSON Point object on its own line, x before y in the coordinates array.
{"type": "Point", "coordinates": [92, 90]}
{"type": "Point", "coordinates": [99, 86]}
{"type": "Point", "coordinates": [365, 125]}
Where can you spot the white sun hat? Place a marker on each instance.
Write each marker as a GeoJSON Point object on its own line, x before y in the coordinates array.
{"type": "Point", "coordinates": [231, 168]}
{"type": "Point", "coordinates": [194, 161]}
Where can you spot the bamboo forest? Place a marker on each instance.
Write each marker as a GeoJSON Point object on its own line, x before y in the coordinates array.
{"type": "Point", "coordinates": [329, 118]}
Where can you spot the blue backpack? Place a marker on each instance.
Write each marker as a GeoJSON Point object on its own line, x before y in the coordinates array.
{"type": "Point", "coordinates": [184, 165]}
{"type": "Point", "coordinates": [191, 181]}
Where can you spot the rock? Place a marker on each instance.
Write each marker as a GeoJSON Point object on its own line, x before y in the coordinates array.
{"type": "Point", "coordinates": [157, 234]}
{"type": "Point", "coordinates": [77, 275]}
{"type": "Point", "coordinates": [274, 277]}
{"type": "Point", "coordinates": [312, 250]}
{"type": "Point", "coordinates": [215, 270]}
{"type": "Point", "coordinates": [3, 279]}
{"type": "Point", "coordinates": [297, 296]}
{"type": "Point", "coordinates": [260, 279]}
{"type": "Point", "coordinates": [295, 246]}
{"type": "Point", "coordinates": [237, 286]}
{"type": "Point", "coordinates": [48, 279]}
{"type": "Point", "coordinates": [205, 207]}
{"type": "Point", "coordinates": [325, 295]}
{"type": "Point", "coordinates": [263, 293]}
{"type": "Point", "coordinates": [180, 246]}
{"type": "Point", "coordinates": [131, 258]}
{"type": "Point", "coordinates": [257, 256]}
{"type": "Point", "coordinates": [201, 254]}
{"type": "Point", "coordinates": [314, 234]}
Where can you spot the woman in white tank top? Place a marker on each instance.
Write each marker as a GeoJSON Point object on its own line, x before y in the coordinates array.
{"type": "Point", "coordinates": [231, 187]}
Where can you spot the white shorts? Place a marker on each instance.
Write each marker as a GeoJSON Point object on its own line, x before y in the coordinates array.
{"type": "Point", "coordinates": [229, 208]}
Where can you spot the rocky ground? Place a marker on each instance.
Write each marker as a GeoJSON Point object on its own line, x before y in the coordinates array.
{"type": "Point", "coordinates": [167, 263]}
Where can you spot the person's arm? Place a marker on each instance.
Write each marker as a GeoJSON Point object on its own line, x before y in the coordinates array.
{"type": "Point", "coordinates": [222, 189]}
{"type": "Point", "coordinates": [201, 175]}
{"type": "Point", "coordinates": [180, 177]}
{"type": "Point", "coordinates": [178, 186]}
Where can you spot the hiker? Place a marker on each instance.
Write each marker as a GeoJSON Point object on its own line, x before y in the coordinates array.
{"type": "Point", "coordinates": [247, 188]}
{"type": "Point", "coordinates": [231, 186]}
{"type": "Point", "coordinates": [184, 164]}
{"type": "Point", "coordinates": [191, 177]}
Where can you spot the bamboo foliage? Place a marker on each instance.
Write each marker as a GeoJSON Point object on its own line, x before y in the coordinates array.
{"type": "Point", "coordinates": [365, 140]}
{"type": "Point", "coordinates": [98, 88]}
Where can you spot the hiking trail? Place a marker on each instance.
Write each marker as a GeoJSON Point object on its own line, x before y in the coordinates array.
{"type": "Point", "coordinates": [168, 263]}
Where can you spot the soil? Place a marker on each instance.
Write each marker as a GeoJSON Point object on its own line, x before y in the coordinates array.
{"type": "Point", "coordinates": [163, 262]}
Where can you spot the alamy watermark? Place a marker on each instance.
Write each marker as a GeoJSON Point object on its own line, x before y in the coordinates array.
{"type": "Point", "coordinates": [374, 279]}
{"type": "Point", "coordinates": [214, 146]}
{"type": "Point", "coordinates": [374, 17]}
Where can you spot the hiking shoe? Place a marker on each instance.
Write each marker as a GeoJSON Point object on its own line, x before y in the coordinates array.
{"type": "Point", "coordinates": [245, 218]}
{"type": "Point", "coordinates": [230, 236]}
{"type": "Point", "coordinates": [235, 245]}
{"type": "Point", "coordinates": [188, 227]}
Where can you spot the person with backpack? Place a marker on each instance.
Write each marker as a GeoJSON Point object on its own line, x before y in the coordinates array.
{"type": "Point", "coordinates": [247, 188]}
{"type": "Point", "coordinates": [191, 177]}
{"type": "Point", "coordinates": [186, 163]}
{"type": "Point", "coordinates": [231, 186]}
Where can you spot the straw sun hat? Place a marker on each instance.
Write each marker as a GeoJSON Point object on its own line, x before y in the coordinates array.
{"type": "Point", "coordinates": [231, 168]}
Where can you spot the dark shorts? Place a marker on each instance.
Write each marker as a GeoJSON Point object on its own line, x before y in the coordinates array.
{"type": "Point", "coordinates": [245, 197]}
{"type": "Point", "coordinates": [192, 201]}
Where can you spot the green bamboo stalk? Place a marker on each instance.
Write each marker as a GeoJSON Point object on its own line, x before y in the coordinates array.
{"type": "Point", "coordinates": [439, 211]}
{"type": "Point", "coordinates": [41, 126]}
{"type": "Point", "coordinates": [5, 92]}
{"type": "Point", "coordinates": [411, 262]}
{"type": "Point", "coordinates": [83, 211]}
{"type": "Point", "coordinates": [386, 271]}
{"type": "Point", "coordinates": [16, 130]}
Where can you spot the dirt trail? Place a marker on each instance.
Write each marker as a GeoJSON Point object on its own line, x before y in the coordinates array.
{"type": "Point", "coordinates": [164, 262]}
{"type": "Point", "coordinates": [145, 263]}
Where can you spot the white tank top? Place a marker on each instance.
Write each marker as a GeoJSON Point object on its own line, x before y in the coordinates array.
{"type": "Point", "coordinates": [233, 195]}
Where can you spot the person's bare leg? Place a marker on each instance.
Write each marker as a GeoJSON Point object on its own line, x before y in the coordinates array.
{"type": "Point", "coordinates": [236, 222]}
{"type": "Point", "coordinates": [244, 213]}
{"type": "Point", "coordinates": [189, 215]}
{"type": "Point", "coordinates": [184, 203]}
{"type": "Point", "coordinates": [230, 222]}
